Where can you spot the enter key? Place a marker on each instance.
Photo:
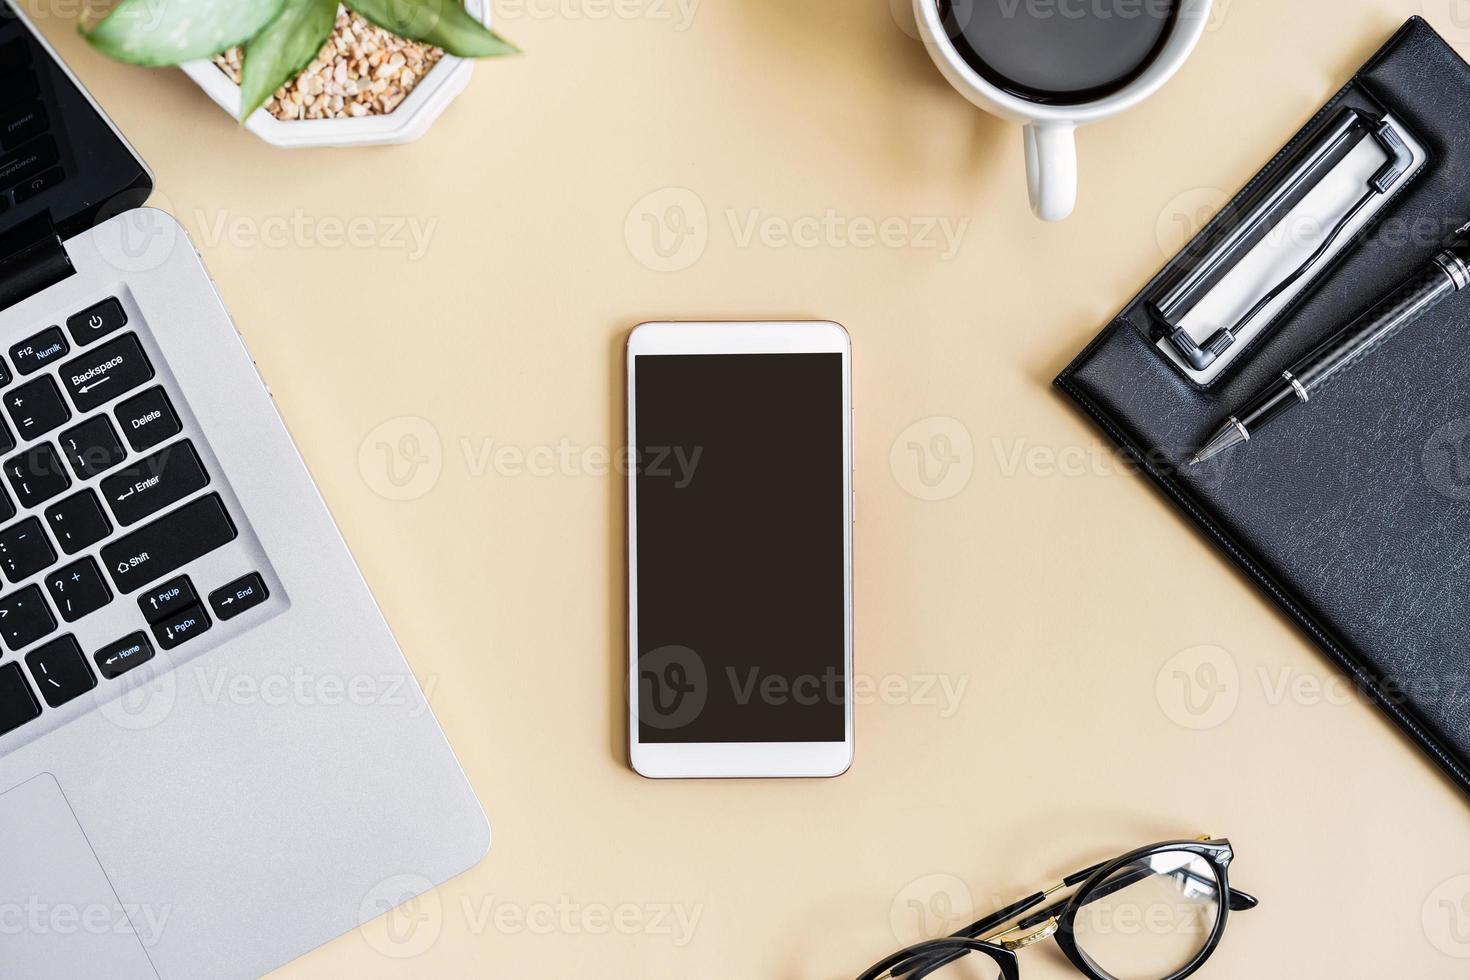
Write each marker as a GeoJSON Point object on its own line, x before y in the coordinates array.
{"type": "Point", "coordinates": [152, 483]}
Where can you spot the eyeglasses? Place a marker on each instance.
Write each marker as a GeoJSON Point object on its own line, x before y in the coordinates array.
{"type": "Point", "coordinates": [1156, 913]}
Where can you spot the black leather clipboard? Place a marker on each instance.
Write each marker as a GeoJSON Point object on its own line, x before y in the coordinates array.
{"type": "Point", "coordinates": [1353, 516]}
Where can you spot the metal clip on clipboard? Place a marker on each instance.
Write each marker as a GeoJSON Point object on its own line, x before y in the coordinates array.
{"type": "Point", "coordinates": [1259, 214]}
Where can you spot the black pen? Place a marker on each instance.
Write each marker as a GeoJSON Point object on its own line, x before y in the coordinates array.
{"type": "Point", "coordinates": [1446, 275]}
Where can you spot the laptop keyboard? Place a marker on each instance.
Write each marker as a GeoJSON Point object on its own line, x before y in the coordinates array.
{"type": "Point", "coordinates": [109, 499]}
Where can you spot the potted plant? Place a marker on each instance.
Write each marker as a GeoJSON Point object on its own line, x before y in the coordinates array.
{"type": "Point", "coordinates": [311, 72]}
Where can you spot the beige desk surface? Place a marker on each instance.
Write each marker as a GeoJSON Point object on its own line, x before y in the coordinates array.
{"type": "Point", "coordinates": [1023, 714]}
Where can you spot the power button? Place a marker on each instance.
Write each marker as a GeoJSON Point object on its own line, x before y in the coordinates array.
{"type": "Point", "coordinates": [96, 321]}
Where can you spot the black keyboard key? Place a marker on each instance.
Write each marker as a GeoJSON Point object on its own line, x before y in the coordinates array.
{"type": "Point", "coordinates": [60, 670]}
{"type": "Point", "coordinates": [17, 704]}
{"type": "Point", "coordinates": [145, 487]}
{"type": "Point", "coordinates": [78, 521]}
{"type": "Point", "coordinates": [34, 353]}
{"type": "Point", "coordinates": [78, 589]}
{"type": "Point", "coordinates": [14, 53]}
{"type": "Point", "coordinates": [147, 419]}
{"type": "Point", "coordinates": [24, 618]}
{"type": "Point", "coordinates": [246, 592]}
{"type": "Point", "coordinates": [19, 125]}
{"type": "Point", "coordinates": [97, 321]}
{"type": "Point", "coordinates": [26, 190]}
{"type": "Point", "coordinates": [166, 599]}
{"type": "Point", "coordinates": [167, 544]}
{"type": "Point", "coordinates": [18, 86]}
{"type": "Point", "coordinates": [121, 656]}
{"type": "Point", "coordinates": [24, 550]}
{"type": "Point", "coordinates": [36, 475]}
{"type": "Point", "coordinates": [7, 509]}
{"type": "Point", "coordinates": [27, 161]}
{"type": "Point", "coordinates": [5, 379]}
{"type": "Point", "coordinates": [105, 372]}
{"type": "Point", "coordinates": [181, 626]}
{"type": "Point", "coordinates": [36, 408]}
{"type": "Point", "coordinates": [92, 447]}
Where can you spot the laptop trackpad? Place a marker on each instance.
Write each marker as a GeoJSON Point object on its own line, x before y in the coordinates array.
{"type": "Point", "coordinates": [59, 916]}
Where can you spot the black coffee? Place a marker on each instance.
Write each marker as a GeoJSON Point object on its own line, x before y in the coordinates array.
{"type": "Point", "coordinates": [1059, 51]}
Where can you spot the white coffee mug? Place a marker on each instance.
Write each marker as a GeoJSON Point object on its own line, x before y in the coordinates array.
{"type": "Point", "coordinates": [1050, 138]}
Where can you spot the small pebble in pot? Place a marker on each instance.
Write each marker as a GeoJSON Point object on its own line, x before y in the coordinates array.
{"type": "Point", "coordinates": [361, 70]}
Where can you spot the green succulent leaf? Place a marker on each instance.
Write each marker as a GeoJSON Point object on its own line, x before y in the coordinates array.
{"type": "Point", "coordinates": [169, 32]}
{"type": "Point", "coordinates": [443, 23]}
{"type": "Point", "coordinates": [283, 48]}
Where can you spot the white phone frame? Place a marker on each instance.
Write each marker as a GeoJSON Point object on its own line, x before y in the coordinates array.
{"type": "Point", "coordinates": [708, 760]}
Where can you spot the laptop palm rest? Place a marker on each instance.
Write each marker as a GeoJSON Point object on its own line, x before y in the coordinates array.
{"type": "Point", "coordinates": [58, 913]}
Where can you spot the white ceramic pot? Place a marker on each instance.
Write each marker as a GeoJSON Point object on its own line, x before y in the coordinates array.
{"type": "Point", "coordinates": [413, 117]}
{"type": "Point", "coordinates": [1051, 150]}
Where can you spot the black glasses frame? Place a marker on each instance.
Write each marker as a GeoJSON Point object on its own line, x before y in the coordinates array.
{"type": "Point", "coordinates": [1058, 919]}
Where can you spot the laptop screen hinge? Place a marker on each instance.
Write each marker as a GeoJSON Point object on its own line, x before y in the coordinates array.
{"type": "Point", "coordinates": [32, 258]}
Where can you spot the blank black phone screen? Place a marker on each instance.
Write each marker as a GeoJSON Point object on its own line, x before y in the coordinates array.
{"type": "Point", "coordinates": [739, 577]}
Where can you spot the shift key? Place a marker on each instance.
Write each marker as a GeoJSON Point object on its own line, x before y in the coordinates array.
{"type": "Point", "coordinates": [152, 483]}
{"type": "Point", "coordinates": [169, 543]}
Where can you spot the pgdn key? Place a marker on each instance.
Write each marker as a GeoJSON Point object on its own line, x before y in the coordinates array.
{"type": "Point", "coordinates": [181, 626]}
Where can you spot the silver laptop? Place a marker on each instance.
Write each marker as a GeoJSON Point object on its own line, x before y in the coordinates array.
{"type": "Point", "coordinates": [213, 757]}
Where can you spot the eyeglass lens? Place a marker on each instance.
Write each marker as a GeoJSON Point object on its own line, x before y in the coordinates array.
{"type": "Point", "coordinates": [1150, 918]}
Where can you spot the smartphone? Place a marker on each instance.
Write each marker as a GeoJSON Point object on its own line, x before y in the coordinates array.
{"type": "Point", "coordinates": [740, 514]}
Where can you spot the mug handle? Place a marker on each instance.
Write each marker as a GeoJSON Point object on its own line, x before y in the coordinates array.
{"type": "Point", "coordinates": [1051, 168]}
